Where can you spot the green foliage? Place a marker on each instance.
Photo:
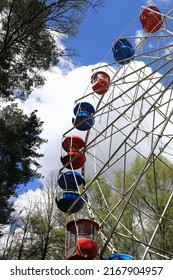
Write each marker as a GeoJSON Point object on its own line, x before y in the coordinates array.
{"type": "Point", "coordinates": [101, 197]}
{"type": "Point", "coordinates": [32, 33]}
{"type": "Point", "coordinates": [147, 204]}
{"type": "Point", "coordinates": [26, 48]}
{"type": "Point", "coordinates": [44, 228]}
{"type": "Point", "coordinates": [37, 240]}
{"type": "Point", "coordinates": [45, 239]}
{"type": "Point", "coordinates": [28, 41]}
{"type": "Point", "coordinates": [39, 228]}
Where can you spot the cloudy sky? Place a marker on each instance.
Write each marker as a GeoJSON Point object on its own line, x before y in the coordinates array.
{"type": "Point", "coordinates": [66, 83]}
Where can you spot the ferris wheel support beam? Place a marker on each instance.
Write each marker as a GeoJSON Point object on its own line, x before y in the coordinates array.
{"type": "Point", "coordinates": [133, 86]}
{"type": "Point", "coordinates": [143, 68]}
{"type": "Point", "coordinates": [167, 31]}
{"type": "Point", "coordinates": [138, 111]}
{"type": "Point", "coordinates": [136, 56]}
{"type": "Point", "coordinates": [152, 249]}
{"type": "Point", "coordinates": [157, 227]}
{"type": "Point", "coordinates": [102, 169]}
{"type": "Point", "coordinates": [134, 185]}
{"type": "Point", "coordinates": [138, 99]}
{"type": "Point", "coordinates": [155, 12]}
{"type": "Point", "coordinates": [113, 82]}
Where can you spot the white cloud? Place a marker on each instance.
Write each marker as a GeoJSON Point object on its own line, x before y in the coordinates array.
{"type": "Point", "coordinates": [158, 2]}
{"type": "Point", "coordinates": [55, 102]}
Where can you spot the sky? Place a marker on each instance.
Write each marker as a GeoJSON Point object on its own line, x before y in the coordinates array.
{"type": "Point", "coordinates": [116, 19]}
{"type": "Point", "coordinates": [55, 101]}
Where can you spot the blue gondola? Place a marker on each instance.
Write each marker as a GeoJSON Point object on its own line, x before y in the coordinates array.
{"type": "Point", "coordinates": [123, 51]}
{"type": "Point", "coordinates": [84, 107]}
{"type": "Point", "coordinates": [84, 119]}
{"type": "Point", "coordinates": [67, 201]}
{"type": "Point", "coordinates": [119, 257]}
{"type": "Point", "coordinates": [70, 180]}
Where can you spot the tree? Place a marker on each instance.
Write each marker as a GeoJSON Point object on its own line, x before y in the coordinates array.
{"type": "Point", "coordinates": [28, 40]}
{"type": "Point", "coordinates": [28, 47]}
{"type": "Point", "coordinates": [19, 141]}
{"type": "Point", "coordinates": [40, 226]}
{"type": "Point", "coordinates": [144, 211]}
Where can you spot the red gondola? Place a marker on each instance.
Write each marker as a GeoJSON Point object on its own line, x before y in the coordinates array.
{"type": "Point", "coordinates": [81, 242]}
{"type": "Point", "coordinates": [100, 82]}
{"type": "Point", "coordinates": [151, 19]}
{"type": "Point", "coordinates": [73, 143]}
{"type": "Point", "coordinates": [73, 160]}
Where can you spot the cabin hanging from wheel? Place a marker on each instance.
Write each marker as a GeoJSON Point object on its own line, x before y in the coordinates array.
{"type": "Point", "coordinates": [74, 159]}
{"type": "Point", "coordinates": [100, 82]}
{"type": "Point", "coordinates": [123, 51]}
{"type": "Point", "coordinates": [151, 19]}
{"type": "Point", "coordinates": [82, 243]}
{"type": "Point", "coordinates": [84, 119]}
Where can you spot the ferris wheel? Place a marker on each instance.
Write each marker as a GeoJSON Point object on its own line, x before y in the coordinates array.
{"type": "Point", "coordinates": [117, 156]}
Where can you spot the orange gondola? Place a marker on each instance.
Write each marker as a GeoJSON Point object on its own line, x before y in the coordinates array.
{"type": "Point", "coordinates": [151, 19]}
{"type": "Point", "coordinates": [73, 160]}
{"type": "Point", "coordinates": [72, 143]}
{"type": "Point", "coordinates": [81, 241]}
{"type": "Point", "coordinates": [100, 82]}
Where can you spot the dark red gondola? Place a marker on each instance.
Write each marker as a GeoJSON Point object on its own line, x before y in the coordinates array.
{"type": "Point", "coordinates": [100, 82]}
{"type": "Point", "coordinates": [151, 19]}
{"type": "Point", "coordinates": [72, 143]}
{"type": "Point", "coordinates": [81, 241]}
{"type": "Point", "coordinates": [73, 160]}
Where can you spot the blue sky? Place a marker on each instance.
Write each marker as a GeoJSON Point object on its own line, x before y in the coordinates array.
{"type": "Point", "coordinates": [94, 41]}
{"type": "Point", "coordinates": [98, 30]}
{"type": "Point", "coordinates": [55, 101]}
